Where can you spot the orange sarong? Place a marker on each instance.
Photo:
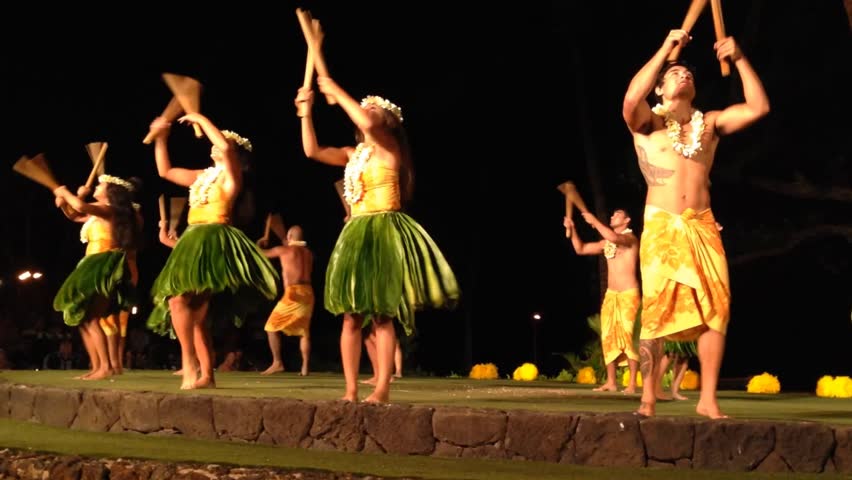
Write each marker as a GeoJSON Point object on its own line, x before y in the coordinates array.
{"type": "Point", "coordinates": [292, 314]}
{"type": "Point", "coordinates": [685, 285]}
{"type": "Point", "coordinates": [618, 314]}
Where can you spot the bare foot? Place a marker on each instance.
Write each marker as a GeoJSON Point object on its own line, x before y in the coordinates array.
{"type": "Point", "coordinates": [713, 412]}
{"type": "Point", "coordinates": [607, 387]}
{"type": "Point", "coordinates": [99, 374]}
{"type": "Point", "coordinates": [304, 372]}
{"type": "Point", "coordinates": [187, 385]}
{"type": "Point", "coordinates": [370, 381]}
{"type": "Point", "coordinates": [646, 409]}
{"type": "Point", "coordinates": [663, 396]}
{"type": "Point", "coordinates": [378, 397]}
{"type": "Point", "coordinates": [274, 368]}
{"type": "Point", "coordinates": [84, 376]}
{"type": "Point", "coordinates": [678, 396]}
{"type": "Point", "coordinates": [629, 390]}
{"type": "Point", "coordinates": [179, 372]}
{"type": "Point", "coordinates": [350, 397]}
{"type": "Point", "coordinates": [397, 375]}
{"type": "Point", "coordinates": [205, 382]}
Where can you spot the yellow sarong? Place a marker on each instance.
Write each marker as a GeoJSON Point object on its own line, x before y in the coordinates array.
{"type": "Point", "coordinates": [685, 285]}
{"type": "Point", "coordinates": [618, 314]}
{"type": "Point", "coordinates": [292, 314]}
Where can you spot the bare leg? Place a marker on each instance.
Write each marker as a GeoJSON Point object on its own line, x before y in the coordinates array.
{"type": "Point", "coordinates": [123, 318]}
{"type": "Point", "coordinates": [113, 340]}
{"type": "Point", "coordinates": [650, 352]}
{"type": "Point", "coordinates": [385, 344]}
{"type": "Point", "coordinates": [275, 347]}
{"type": "Point", "coordinates": [665, 361]}
{"type": "Point", "coordinates": [99, 341]}
{"type": "Point", "coordinates": [350, 354]}
{"type": "Point", "coordinates": [203, 344]}
{"type": "Point", "coordinates": [632, 366]}
{"type": "Point", "coordinates": [305, 348]}
{"type": "Point", "coordinates": [94, 362]}
{"type": "Point", "coordinates": [370, 344]}
{"type": "Point", "coordinates": [397, 361]}
{"type": "Point", "coordinates": [711, 348]}
{"type": "Point", "coordinates": [182, 323]}
{"type": "Point", "coordinates": [610, 385]}
{"type": "Point", "coordinates": [680, 366]}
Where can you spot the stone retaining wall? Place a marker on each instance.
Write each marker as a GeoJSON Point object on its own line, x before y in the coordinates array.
{"type": "Point", "coordinates": [612, 439]}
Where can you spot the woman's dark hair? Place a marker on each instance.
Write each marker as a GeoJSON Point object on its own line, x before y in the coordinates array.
{"type": "Point", "coordinates": [126, 229]}
{"type": "Point", "coordinates": [406, 168]}
{"type": "Point", "coordinates": [243, 210]}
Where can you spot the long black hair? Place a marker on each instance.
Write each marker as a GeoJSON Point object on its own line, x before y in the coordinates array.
{"type": "Point", "coordinates": [126, 229]}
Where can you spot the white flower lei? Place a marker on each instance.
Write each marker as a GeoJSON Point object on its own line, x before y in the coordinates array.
{"type": "Point", "coordinates": [674, 131]}
{"type": "Point", "coordinates": [610, 248]}
{"type": "Point", "coordinates": [353, 184]}
{"type": "Point", "coordinates": [200, 188]}
{"type": "Point", "coordinates": [84, 230]}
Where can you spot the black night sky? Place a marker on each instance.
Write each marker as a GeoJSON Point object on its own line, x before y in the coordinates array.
{"type": "Point", "coordinates": [502, 103]}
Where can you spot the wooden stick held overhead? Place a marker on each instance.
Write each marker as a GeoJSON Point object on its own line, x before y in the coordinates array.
{"type": "Point", "coordinates": [309, 65]}
{"type": "Point", "coordinates": [570, 191]}
{"type": "Point", "coordinates": [277, 227]}
{"type": "Point", "coordinates": [37, 170]}
{"type": "Point", "coordinates": [171, 112]}
{"type": "Point", "coordinates": [695, 9]}
{"type": "Point", "coordinates": [187, 91]}
{"type": "Point", "coordinates": [98, 159]}
{"type": "Point", "coordinates": [162, 202]}
{"type": "Point", "coordinates": [719, 27]}
{"type": "Point", "coordinates": [569, 205]}
{"type": "Point", "coordinates": [314, 47]}
{"type": "Point", "coordinates": [176, 206]}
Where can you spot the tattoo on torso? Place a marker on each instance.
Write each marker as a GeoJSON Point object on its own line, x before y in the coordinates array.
{"type": "Point", "coordinates": [654, 175]}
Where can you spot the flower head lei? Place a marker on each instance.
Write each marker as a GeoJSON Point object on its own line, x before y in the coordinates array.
{"type": "Point", "coordinates": [383, 104]}
{"type": "Point", "coordinates": [674, 131]}
{"type": "Point", "coordinates": [241, 141]}
{"type": "Point", "coordinates": [116, 181]}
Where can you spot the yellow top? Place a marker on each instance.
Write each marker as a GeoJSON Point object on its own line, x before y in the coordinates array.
{"type": "Point", "coordinates": [97, 235]}
{"type": "Point", "coordinates": [208, 202]}
{"type": "Point", "coordinates": [381, 190]}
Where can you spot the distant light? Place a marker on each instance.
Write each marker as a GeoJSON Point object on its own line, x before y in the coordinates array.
{"type": "Point", "coordinates": [134, 310]}
{"type": "Point", "coordinates": [37, 275]}
{"type": "Point", "coordinates": [25, 276]}
{"type": "Point", "coordinates": [536, 316]}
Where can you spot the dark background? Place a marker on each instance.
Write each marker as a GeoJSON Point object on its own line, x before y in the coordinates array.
{"type": "Point", "coordinates": [501, 104]}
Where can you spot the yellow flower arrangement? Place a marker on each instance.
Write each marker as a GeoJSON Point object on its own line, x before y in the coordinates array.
{"type": "Point", "coordinates": [834, 387]}
{"type": "Point", "coordinates": [526, 372]}
{"type": "Point", "coordinates": [586, 376]}
{"type": "Point", "coordinates": [625, 378]}
{"type": "Point", "coordinates": [764, 383]}
{"type": "Point", "coordinates": [691, 381]}
{"type": "Point", "coordinates": [484, 371]}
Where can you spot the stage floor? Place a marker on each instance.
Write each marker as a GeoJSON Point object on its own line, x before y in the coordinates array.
{"type": "Point", "coordinates": [462, 392]}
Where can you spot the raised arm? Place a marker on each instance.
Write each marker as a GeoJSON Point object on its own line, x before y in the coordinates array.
{"type": "Point", "coordinates": [329, 155]}
{"type": "Point", "coordinates": [580, 247]}
{"type": "Point", "coordinates": [358, 115]}
{"type": "Point", "coordinates": [96, 209]}
{"type": "Point", "coordinates": [635, 108]}
{"type": "Point", "coordinates": [756, 105]}
{"type": "Point", "coordinates": [230, 156]}
{"type": "Point", "coordinates": [161, 127]}
{"type": "Point", "coordinates": [608, 233]}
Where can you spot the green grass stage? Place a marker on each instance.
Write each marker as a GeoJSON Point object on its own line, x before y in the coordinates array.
{"type": "Point", "coordinates": [434, 391]}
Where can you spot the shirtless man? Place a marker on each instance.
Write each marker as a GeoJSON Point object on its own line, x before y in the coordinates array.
{"type": "Point", "coordinates": [685, 287]}
{"type": "Point", "coordinates": [620, 247]}
{"type": "Point", "coordinates": [292, 315]}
